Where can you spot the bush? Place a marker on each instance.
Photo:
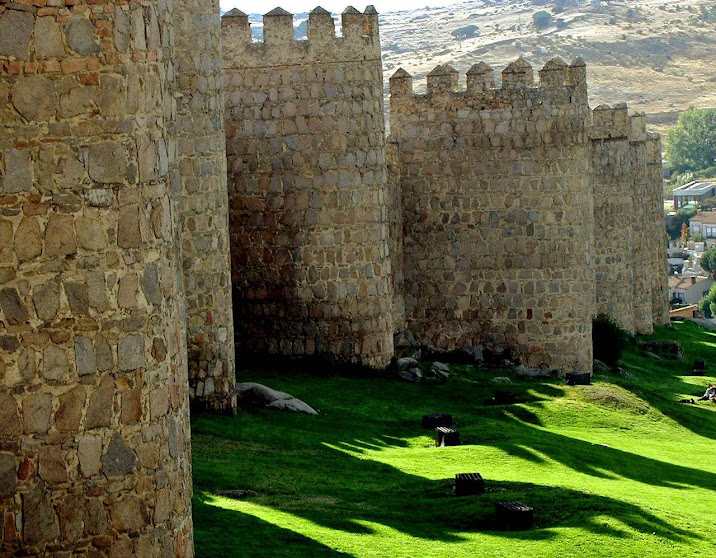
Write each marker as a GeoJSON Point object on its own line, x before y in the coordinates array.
{"type": "Point", "coordinates": [466, 32]}
{"type": "Point", "coordinates": [608, 339]}
{"type": "Point", "coordinates": [708, 304]}
{"type": "Point", "coordinates": [542, 19]}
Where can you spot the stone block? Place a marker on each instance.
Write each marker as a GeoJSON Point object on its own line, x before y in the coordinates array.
{"type": "Point", "coordinates": [48, 38]}
{"type": "Point", "coordinates": [89, 453]}
{"type": "Point", "coordinates": [46, 298]}
{"type": "Point", "coordinates": [69, 412]}
{"type": "Point", "coordinates": [55, 364]}
{"type": "Point", "coordinates": [80, 36]}
{"type": "Point", "coordinates": [129, 234]}
{"type": "Point", "coordinates": [107, 163]}
{"type": "Point", "coordinates": [9, 420]}
{"type": "Point", "coordinates": [40, 523]}
{"type": "Point", "coordinates": [84, 356]}
{"type": "Point", "coordinates": [36, 411]}
{"type": "Point", "coordinates": [131, 406]}
{"type": "Point", "coordinates": [53, 468]}
{"type": "Point", "coordinates": [77, 297]}
{"type": "Point", "coordinates": [15, 33]}
{"type": "Point", "coordinates": [101, 404]}
{"type": "Point", "coordinates": [118, 460]}
{"type": "Point", "coordinates": [18, 170]}
{"type": "Point", "coordinates": [130, 352]}
{"type": "Point", "coordinates": [28, 239]}
{"type": "Point", "coordinates": [12, 307]}
{"type": "Point", "coordinates": [8, 475]}
{"type": "Point", "coordinates": [128, 514]}
{"type": "Point", "coordinates": [35, 98]}
{"type": "Point", "coordinates": [60, 235]}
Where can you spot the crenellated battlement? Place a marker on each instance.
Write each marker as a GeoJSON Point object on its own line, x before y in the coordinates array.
{"type": "Point", "coordinates": [359, 41]}
{"type": "Point", "coordinates": [558, 81]}
{"type": "Point", "coordinates": [610, 123]}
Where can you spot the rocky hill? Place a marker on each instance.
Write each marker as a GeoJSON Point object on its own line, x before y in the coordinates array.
{"type": "Point", "coordinates": [656, 55]}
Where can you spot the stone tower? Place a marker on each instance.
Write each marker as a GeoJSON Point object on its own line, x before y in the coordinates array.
{"type": "Point", "coordinates": [307, 188]}
{"type": "Point", "coordinates": [628, 215]}
{"type": "Point", "coordinates": [94, 152]}
{"type": "Point", "coordinates": [497, 211]}
{"type": "Point", "coordinates": [204, 204]}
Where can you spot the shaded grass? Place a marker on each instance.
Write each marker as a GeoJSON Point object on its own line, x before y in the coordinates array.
{"type": "Point", "coordinates": [617, 468]}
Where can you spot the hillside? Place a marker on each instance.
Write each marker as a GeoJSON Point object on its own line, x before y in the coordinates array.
{"type": "Point", "coordinates": [657, 56]}
{"type": "Point", "coordinates": [615, 469]}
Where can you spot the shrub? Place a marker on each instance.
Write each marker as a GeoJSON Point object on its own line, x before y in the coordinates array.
{"type": "Point", "coordinates": [608, 339]}
{"type": "Point", "coordinates": [708, 304]}
{"type": "Point", "coordinates": [542, 19]}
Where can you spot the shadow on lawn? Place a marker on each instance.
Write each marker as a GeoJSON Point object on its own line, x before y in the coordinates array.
{"type": "Point", "coordinates": [662, 383]}
{"type": "Point", "coordinates": [327, 482]}
{"type": "Point", "coordinates": [222, 532]}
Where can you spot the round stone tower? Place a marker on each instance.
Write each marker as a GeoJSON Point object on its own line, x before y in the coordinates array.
{"type": "Point", "coordinates": [307, 188]}
{"type": "Point", "coordinates": [94, 430]}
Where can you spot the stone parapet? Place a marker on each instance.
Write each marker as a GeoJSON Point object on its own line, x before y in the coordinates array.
{"type": "Point", "coordinates": [359, 41]}
{"type": "Point", "coordinates": [558, 83]}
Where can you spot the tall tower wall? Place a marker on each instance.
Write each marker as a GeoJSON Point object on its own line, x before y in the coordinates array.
{"type": "Point", "coordinates": [630, 260]}
{"type": "Point", "coordinates": [204, 204]}
{"type": "Point", "coordinates": [94, 429]}
{"type": "Point", "coordinates": [311, 267]}
{"type": "Point", "coordinates": [659, 268]}
{"type": "Point", "coordinates": [497, 211]}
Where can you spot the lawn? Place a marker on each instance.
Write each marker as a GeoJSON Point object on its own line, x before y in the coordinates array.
{"type": "Point", "coordinates": [618, 468]}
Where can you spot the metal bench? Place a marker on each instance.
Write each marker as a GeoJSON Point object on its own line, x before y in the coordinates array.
{"type": "Point", "coordinates": [514, 516]}
{"type": "Point", "coordinates": [469, 484]}
{"type": "Point", "coordinates": [446, 437]}
{"type": "Point", "coordinates": [579, 378]}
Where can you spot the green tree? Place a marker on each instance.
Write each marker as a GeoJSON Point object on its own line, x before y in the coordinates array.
{"type": "Point", "coordinates": [708, 260]}
{"type": "Point", "coordinates": [691, 144]}
{"type": "Point", "coordinates": [708, 304]}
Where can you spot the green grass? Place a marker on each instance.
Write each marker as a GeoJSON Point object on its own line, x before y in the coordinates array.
{"type": "Point", "coordinates": [619, 468]}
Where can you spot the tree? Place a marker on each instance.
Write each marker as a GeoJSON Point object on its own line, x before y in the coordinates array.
{"type": "Point", "coordinates": [708, 304]}
{"type": "Point", "coordinates": [708, 260]}
{"type": "Point", "coordinates": [542, 19]}
{"type": "Point", "coordinates": [691, 144]}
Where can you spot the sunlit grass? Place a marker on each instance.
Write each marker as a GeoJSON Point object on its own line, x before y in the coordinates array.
{"type": "Point", "coordinates": [619, 468]}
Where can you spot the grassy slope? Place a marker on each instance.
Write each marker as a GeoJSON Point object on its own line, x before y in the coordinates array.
{"type": "Point", "coordinates": [613, 469]}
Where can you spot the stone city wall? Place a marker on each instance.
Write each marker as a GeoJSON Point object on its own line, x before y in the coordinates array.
{"type": "Point", "coordinates": [204, 204]}
{"type": "Point", "coordinates": [628, 214]}
{"type": "Point", "coordinates": [311, 266]}
{"type": "Point", "coordinates": [498, 216]}
{"type": "Point", "coordinates": [657, 236]}
{"type": "Point", "coordinates": [94, 422]}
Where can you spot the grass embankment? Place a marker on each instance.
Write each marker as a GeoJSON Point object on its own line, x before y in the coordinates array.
{"type": "Point", "coordinates": [618, 468]}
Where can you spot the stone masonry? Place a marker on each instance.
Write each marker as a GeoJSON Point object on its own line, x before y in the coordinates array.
{"type": "Point", "coordinates": [497, 211]}
{"type": "Point", "coordinates": [628, 213]}
{"type": "Point", "coordinates": [94, 418]}
{"type": "Point", "coordinates": [204, 204]}
{"type": "Point", "coordinates": [121, 249]}
{"type": "Point", "coordinates": [307, 188]}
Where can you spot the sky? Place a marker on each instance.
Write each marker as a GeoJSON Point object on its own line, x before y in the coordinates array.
{"type": "Point", "coordinates": [335, 6]}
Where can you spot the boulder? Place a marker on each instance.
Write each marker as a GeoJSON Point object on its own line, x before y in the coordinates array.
{"type": "Point", "coordinates": [599, 367]}
{"type": "Point", "coordinates": [664, 349]}
{"type": "Point", "coordinates": [501, 380]}
{"type": "Point", "coordinates": [411, 375]}
{"type": "Point", "coordinates": [250, 395]}
{"type": "Point", "coordinates": [406, 363]}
